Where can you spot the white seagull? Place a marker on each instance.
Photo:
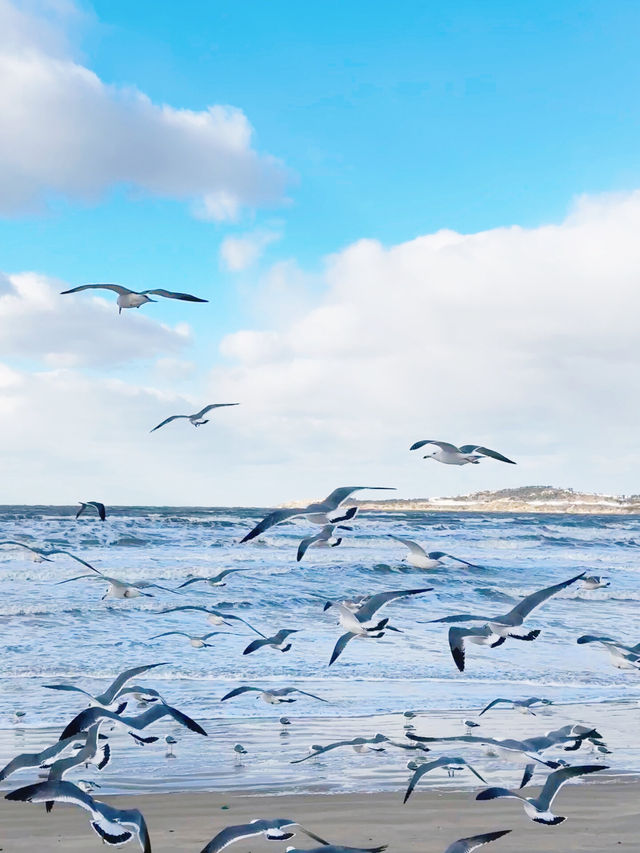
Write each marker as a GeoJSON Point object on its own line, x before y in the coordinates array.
{"type": "Point", "coordinates": [47, 554]}
{"type": "Point", "coordinates": [522, 705]}
{"type": "Point", "coordinates": [621, 656]}
{"type": "Point", "coordinates": [214, 617]}
{"type": "Point", "coordinates": [273, 829]}
{"type": "Point", "coordinates": [467, 454]}
{"type": "Point", "coordinates": [133, 299]}
{"type": "Point", "coordinates": [466, 845]}
{"type": "Point", "coordinates": [277, 641]}
{"type": "Point", "coordinates": [271, 695]}
{"type": "Point", "coordinates": [114, 826]}
{"type": "Point", "coordinates": [118, 588]}
{"type": "Point", "coordinates": [442, 761]}
{"type": "Point", "coordinates": [116, 690]}
{"type": "Point", "coordinates": [420, 559]}
{"type": "Point", "coordinates": [99, 508]}
{"type": "Point", "coordinates": [320, 512]}
{"type": "Point", "coordinates": [197, 419]}
{"type": "Point", "coordinates": [90, 716]}
{"type": "Point", "coordinates": [214, 580]}
{"type": "Point", "coordinates": [324, 539]}
{"type": "Point", "coordinates": [196, 641]}
{"type": "Point", "coordinates": [595, 582]}
{"type": "Point", "coordinates": [355, 743]}
{"type": "Point", "coordinates": [28, 760]}
{"type": "Point", "coordinates": [539, 808]}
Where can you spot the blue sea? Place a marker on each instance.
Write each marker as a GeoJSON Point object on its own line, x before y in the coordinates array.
{"type": "Point", "coordinates": [66, 633]}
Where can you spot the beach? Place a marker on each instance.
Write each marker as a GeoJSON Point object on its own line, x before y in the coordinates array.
{"type": "Point", "coordinates": [602, 817]}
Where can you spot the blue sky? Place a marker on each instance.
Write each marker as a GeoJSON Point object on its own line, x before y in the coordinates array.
{"type": "Point", "coordinates": [392, 121]}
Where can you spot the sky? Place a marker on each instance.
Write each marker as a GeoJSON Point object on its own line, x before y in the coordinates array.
{"type": "Point", "coordinates": [411, 220]}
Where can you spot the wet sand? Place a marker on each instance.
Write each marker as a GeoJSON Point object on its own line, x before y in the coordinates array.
{"type": "Point", "coordinates": [602, 817]}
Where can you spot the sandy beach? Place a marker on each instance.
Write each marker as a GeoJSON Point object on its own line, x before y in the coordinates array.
{"type": "Point", "coordinates": [602, 817]}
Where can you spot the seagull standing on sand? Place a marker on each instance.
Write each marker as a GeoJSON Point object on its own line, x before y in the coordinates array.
{"type": "Point", "coordinates": [466, 845]}
{"type": "Point", "coordinates": [539, 808]}
{"type": "Point", "coordinates": [99, 508]}
{"type": "Point", "coordinates": [272, 696]}
{"type": "Point", "coordinates": [114, 826]}
{"type": "Point", "coordinates": [197, 419]}
{"type": "Point", "coordinates": [449, 454]}
{"type": "Point", "coordinates": [498, 628]}
{"type": "Point", "coordinates": [134, 299]}
{"type": "Point", "coordinates": [273, 829]}
{"type": "Point", "coordinates": [320, 512]}
{"type": "Point", "coordinates": [357, 622]}
{"type": "Point", "coordinates": [420, 559]}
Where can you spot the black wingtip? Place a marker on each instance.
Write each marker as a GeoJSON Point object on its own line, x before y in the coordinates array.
{"type": "Point", "coordinates": [458, 657]}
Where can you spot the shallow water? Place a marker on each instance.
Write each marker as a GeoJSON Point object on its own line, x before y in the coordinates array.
{"type": "Point", "coordinates": [67, 633]}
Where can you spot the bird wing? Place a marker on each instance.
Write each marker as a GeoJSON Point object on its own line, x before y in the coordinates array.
{"type": "Point", "coordinates": [117, 288]}
{"type": "Point", "coordinates": [118, 683]}
{"type": "Point", "coordinates": [170, 294]}
{"type": "Point", "coordinates": [33, 550]}
{"type": "Point", "coordinates": [256, 644]}
{"type": "Point", "coordinates": [436, 555]}
{"type": "Point", "coordinates": [208, 408]}
{"type": "Point", "coordinates": [83, 506]}
{"type": "Point", "coordinates": [534, 600]}
{"type": "Point", "coordinates": [100, 507]}
{"type": "Point", "coordinates": [190, 581]}
{"type": "Point", "coordinates": [73, 557]}
{"type": "Point", "coordinates": [97, 577]}
{"type": "Point", "coordinates": [212, 634]}
{"type": "Point", "coordinates": [305, 543]}
{"type": "Point", "coordinates": [85, 719]}
{"type": "Point", "coordinates": [230, 834]}
{"type": "Point", "coordinates": [339, 495]}
{"type": "Point", "coordinates": [493, 704]}
{"type": "Point", "coordinates": [466, 845]}
{"type": "Point", "coordinates": [304, 693]}
{"type": "Point", "coordinates": [168, 421]}
{"type": "Point", "coordinates": [340, 646]}
{"type": "Point", "coordinates": [238, 691]}
{"type": "Point", "coordinates": [68, 687]}
{"type": "Point", "coordinates": [498, 793]}
{"type": "Point", "coordinates": [413, 547]}
{"type": "Point", "coordinates": [456, 644]}
{"type": "Point", "coordinates": [420, 772]}
{"type": "Point", "coordinates": [558, 778]}
{"type": "Point", "coordinates": [170, 634]}
{"type": "Point", "coordinates": [443, 445]}
{"type": "Point", "coordinates": [239, 619]}
{"type": "Point", "coordinates": [485, 451]}
{"type": "Point", "coordinates": [62, 792]}
{"type": "Point", "coordinates": [226, 572]}
{"type": "Point", "coordinates": [365, 612]}
{"type": "Point", "coordinates": [272, 519]}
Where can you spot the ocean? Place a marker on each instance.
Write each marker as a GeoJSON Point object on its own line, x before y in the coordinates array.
{"type": "Point", "coordinates": [66, 633]}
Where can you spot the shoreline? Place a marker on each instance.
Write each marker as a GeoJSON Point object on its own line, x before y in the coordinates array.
{"type": "Point", "coordinates": [601, 816]}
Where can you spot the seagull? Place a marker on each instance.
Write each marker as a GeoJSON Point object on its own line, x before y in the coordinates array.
{"type": "Point", "coordinates": [93, 752]}
{"type": "Point", "coordinates": [498, 628]}
{"type": "Point", "coordinates": [443, 761]}
{"type": "Point", "coordinates": [324, 539]}
{"type": "Point", "coordinates": [539, 808]}
{"type": "Point", "coordinates": [336, 848]}
{"type": "Point", "coordinates": [594, 582]}
{"type": "Point", "coordinates": [466, 845]}
{"type": "Point", "coordinates": [621, 656]}
{"type": "Point", "coordinates": [420, 559]}
{"type": "Point", "coordinates": [46, 555]}
{"type": "Point", "coordinates": [171, 742]}
{"type": "Point", "coordinates": [197, 419]}
{"type": "Point", "coordinates": [469, 725]}
{"type": "Point", "coordinates": [449, 454]}
{"type": "Point", "coordinates": [276, 642]}
{"type": "Point", "coordinates": [27, 760]}
{"type": "Point", "coordinates": [115, 690]}
{"type": "Point", "coordinates": [114, 826]}
{"type": "Point", "coordinates": [214, 580]}
{"type": "Point", "coordinates": [273, 829]}
{"type": "Point", "coordinates": [356, 621]}
{"type": "Point", "coordinates": [239, 750]}
{"type": "Point", "coordinates": [320, 512]}
{"type": "Point", "coordinates": [522, 705]}
{"type": "Point", "coordinates": [18, 716]}
{"type": "Point", "coordinates": [355, 742]}
{"type": "Point", "coordinates": [87, 718]}
{"type": "Point", "coordinates": [99, 508]}
{"type": "Point", "coordinates": [120, 588]}
{"type": "Point", "coordinates": [214, 617]}
{"type": "Point", "coordinates": [196, 642]}
{"type": "Point", "coordinates": [134, 299]}
{"type": "Point", "coordinates": [284, 722]}
{"type": "Point", "coordinates": [271, 696]}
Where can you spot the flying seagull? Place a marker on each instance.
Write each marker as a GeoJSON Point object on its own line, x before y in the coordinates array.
{"type": "Point", "coordinates": [197, 419]}
{"type": "Point", "coordinates": [595, 582]}
{"type": "Point", "coordinates": [323, 539]}
{"type": "Point", "coordinates": [133, 299]}
{"type": "Point", "coordinates": [214, 617]}
{"type": "Point", "coordinates": [196, 641]}
{"type": "Point", "coordinates": [498, 628]}
{"type": "Point", "coordinates": [320, 512]}
{"type": "Point", "coordinates": [116, 689]}
{"type": "Point", "coordinates": [93, 752]}
{"type": "Point", "coordinates": [90, 716]}
{"type": "Point", "coordinates": [466, 845]}
{"type": "Point", "coordinates": [621, 656]}
{"type": "Point", "coordinates": [522, 705]}
{"type": "Point", "coordinates": [539, 808]}
{"type": "Point", "coordinates": [420, 559]}
{"type": "Point", "coordinates": [271, 695]}
{"type": "Point", "coordinates": [449, 454]}
{"type": "Point", "coordinates": [120, 588]}
{"type": "Point", "coordinates": [357, 622]}
{"type": "Point", "coordinates": [277, 641]}
{"type": "Point", "coordinates": [99, 508]}
{"type": "Point", "coordinates": [47, 554]}
{"type": "Point", "coordinates": [114, 826]}
{"type": "Point", "coordinates": [442, 761]}
{"type": "Point", "coordinates": [273, 829]}
{"type": "Point", "coordinates": [214, 580]}
{"type": "Point", "coordinates": [28, 760]}
{"type": "Point", "coordinates": [355, 742]}
{"type": "Point", "coordinates": [337, 848]}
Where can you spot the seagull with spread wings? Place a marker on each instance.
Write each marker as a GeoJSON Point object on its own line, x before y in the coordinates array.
{"type": "Point", "coordinates": [273, 829]}
{"type": "Point", "coordinates": [134, 299]}
{"type": "Point", "coordinates": [118, 689]}
{"type": "Point", "coordinates": [42, 554]}
{"type": "Point", "coordinates": [449, 454]}
{"type": "Point", "coordinates": [466, 845]}
{"type": "Point", "coordinates": [99, 508]}
{"type": "Point", "coordinates": [420, 559]}
{"type": "Point", "coordinates": [198, 418]}
{"type": "Point", "coordinates": [621, 656]}
{"type": "Point", "coordinates": [271, 695]}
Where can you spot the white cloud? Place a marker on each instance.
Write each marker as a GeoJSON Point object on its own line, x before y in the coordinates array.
{"type": "Point", "coordinates": [66, 331]}
{"type": "Point", "coordinates": [241, 252]}
{"type": "Point", "coordinates": [67, 132]}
